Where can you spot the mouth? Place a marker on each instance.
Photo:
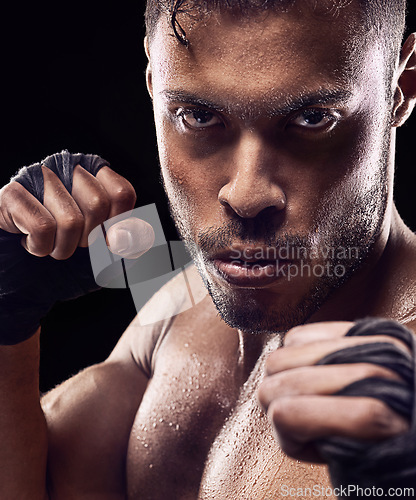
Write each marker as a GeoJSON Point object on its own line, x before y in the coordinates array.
{"type": "Point", "coordinates": [243, 268]}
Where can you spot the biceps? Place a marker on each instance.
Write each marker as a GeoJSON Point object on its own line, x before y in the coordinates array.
{"type": "Point", "coordinates": [89, 421]}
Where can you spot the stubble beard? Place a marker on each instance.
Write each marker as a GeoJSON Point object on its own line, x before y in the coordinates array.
{"type": "Point", "coordinates": [354, 226]}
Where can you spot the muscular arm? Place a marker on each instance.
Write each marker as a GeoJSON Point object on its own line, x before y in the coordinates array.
{"type": "Point", "coordinates": [89, 421]}
{"type": "Point", "coordinates": [79, 449]}
{"type": "Point", "coordinates": [90, 417]}
{"type": "Point", "coordinates": [85, 433]}
{"type": "Point", "coordinates": [22, 424]}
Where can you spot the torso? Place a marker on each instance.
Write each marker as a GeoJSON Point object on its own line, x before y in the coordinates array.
{"type": "Point", "coordinates": [199, 432]}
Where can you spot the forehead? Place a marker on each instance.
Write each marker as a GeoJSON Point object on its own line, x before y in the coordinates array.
{"type": "Point", "coordinates": [265, 56]}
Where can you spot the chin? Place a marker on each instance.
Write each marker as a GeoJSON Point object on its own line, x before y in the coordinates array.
{"type": "Point", "coordinates": [250, 314]}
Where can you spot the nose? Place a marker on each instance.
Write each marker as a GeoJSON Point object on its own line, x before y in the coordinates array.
{"type": "Point", "coordinates": [252, 186]}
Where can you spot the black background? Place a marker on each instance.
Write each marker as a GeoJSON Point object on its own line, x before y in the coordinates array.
{"type": "Point", "coordinates": [73, 78]}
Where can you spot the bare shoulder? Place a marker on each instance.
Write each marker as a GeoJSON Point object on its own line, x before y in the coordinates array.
{"type": "Point", "coordinates": [177, 298]}
{"type": "Point", "coordinates": [78, 434]}
{"type": "Point", "coordinates": [174, 315]}
{"type": "Point", "coordinates": [397, 278]}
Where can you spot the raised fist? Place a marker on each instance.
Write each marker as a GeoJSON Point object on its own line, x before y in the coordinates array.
{"type": "Point", "coordinates": [46, 214]}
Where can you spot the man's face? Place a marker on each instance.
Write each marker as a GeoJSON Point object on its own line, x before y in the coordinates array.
{"type": "Point", "coordinates": [274, 143]}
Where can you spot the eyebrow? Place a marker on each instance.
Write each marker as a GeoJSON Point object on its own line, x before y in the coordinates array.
{"type": "Point", "coordinates": [291, 103]}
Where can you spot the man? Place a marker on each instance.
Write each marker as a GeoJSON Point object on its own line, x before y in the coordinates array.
{"type": "Point", "coordinates": [278, 163]}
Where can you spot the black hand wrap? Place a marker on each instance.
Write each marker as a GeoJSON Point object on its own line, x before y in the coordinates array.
{"type": "Point", "coordinates": [385, 464]}
{"type": "Point", "coordinates": [29, 285]}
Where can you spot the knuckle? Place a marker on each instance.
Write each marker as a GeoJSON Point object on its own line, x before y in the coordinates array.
{"type": "Point", "coordinates": [124, 193]}
{"type": "Point", "coordinates": [62, 255]}
{"type": "Point", "coordinates": [285, 382]}
{"type": "Point", "coordinates": [283, 413]}
{"type": "Point", "coordinates": [277, 386]}
{"type": "Point", "coordinates": [278, 410]}
{"type": "Point", "coordinates": [72, 222]}
{"type": "Point", "coordinates": [263, 394]}
{"type": "Point", "coordinates": [97, 207]}
{"type": "Point", "coordinates": [273, 361]}
{"type": "Point", "coordinates": [42, 237]}
{"type": "Point", "coordinates": [41, 252]}
{"type": "Point", "coordinates": [45, 226]}
{"type": "Point", "coordinates": [10, 192]}
{"type": "Point", "coordinates": [384, 421]}
{"type": "Point", "coordinates": [294, 335]}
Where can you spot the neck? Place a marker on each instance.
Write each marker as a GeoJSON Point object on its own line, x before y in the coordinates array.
{"type": "Point", "coordinates": [384, 286]}
{"type": "Point", "coordinates": [382, 282]}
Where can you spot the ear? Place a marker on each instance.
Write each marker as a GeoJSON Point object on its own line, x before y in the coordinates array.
{"type": "Point", "coordinates": [148, 68]}
{"type": "Point", "coordinates": [405, 97]}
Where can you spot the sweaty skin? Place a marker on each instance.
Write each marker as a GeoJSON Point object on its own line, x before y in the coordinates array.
{"type": "Point", "coordinates": [249, 167]}
{"type": "Point", "coordinates": [199, 431]}
{"type": "Point", "coordinates": [187, 423]}
{"type": "Point", "coordinates": [256, 136]}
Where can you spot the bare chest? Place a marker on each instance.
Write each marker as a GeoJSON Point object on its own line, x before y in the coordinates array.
{"type": "Point", "coordinates": [201, 437]}
{"type": "Point", "coordinates": [246, 462]}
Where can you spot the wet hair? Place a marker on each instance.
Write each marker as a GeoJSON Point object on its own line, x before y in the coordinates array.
{"type": "Point", "coordinates": [383, 18]}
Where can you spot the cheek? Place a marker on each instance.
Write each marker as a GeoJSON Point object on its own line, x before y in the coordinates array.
{"type": "Point", "coordinates": [189, 189]}
{"type": "Point", "coordinates": [345, 181]}
{"type": "Point", "coordinates": [356, 203]}
{"type": "Point", "coordinates": [190, 182]}
{"type": "Point", "coordinates": [368, 157]}
{"type": "Point", "coordinates": [358, 157]}
{"type": "Point", "coordinates": [174, 167]}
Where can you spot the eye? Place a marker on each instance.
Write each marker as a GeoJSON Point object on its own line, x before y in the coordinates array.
{"type": "Point", "coordinates": [198, 118]}
{"type": "Point", "coordinates": [315, 119]}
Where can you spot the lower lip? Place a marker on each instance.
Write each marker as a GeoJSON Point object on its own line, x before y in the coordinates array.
{"type": "Point", "coordinates": [249, 275]}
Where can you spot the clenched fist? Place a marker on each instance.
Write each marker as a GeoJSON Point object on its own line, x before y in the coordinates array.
{"type": "Point", "coordinates": [343, 393]}
{"type": "Point", "coordinates": [46, 214]}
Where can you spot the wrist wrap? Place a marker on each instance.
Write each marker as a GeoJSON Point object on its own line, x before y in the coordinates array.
{"type": "Point", "coordinates": [390, 463]}
{"type": "Point", "coordinates": [29, 285]}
